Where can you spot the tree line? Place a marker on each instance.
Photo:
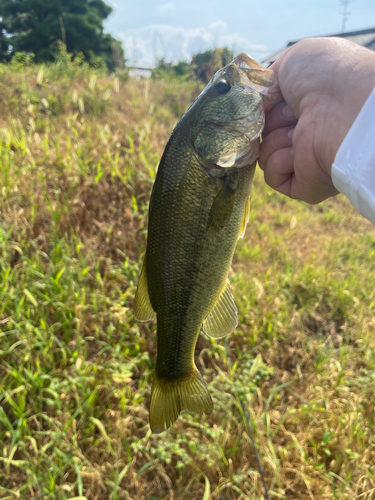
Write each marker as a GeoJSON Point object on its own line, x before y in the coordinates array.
{"type": "Point", "coordinates": [38, 26]}
{"type": "Point", "coordinates": [202, 66]}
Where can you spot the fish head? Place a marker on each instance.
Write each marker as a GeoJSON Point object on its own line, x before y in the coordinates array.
{"type": "Point", "coordinates": [230, 114]}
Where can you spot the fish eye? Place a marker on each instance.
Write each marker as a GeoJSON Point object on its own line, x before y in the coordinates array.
{"type": "Point", "coordinates": [223, 87]}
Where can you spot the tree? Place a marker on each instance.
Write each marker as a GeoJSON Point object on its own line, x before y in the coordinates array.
{"type": "Point", "coordinates": [202, 66]}
{"type": "Point", "coordinates": [37, 26]}
{"type": "Point", "coordinates": [4, 43]}
{"type": "Point", "coordinates": [207, 63]}
{"type": "Point", "coordinates": [167, 70]}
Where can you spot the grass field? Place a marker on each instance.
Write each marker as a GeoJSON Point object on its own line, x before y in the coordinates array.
{"type": "Point", "coordinates": [78, 155]}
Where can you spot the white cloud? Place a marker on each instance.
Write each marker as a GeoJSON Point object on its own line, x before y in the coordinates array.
{"type": "Point", "coordinates": [218, 25]}
{"type": "Point", "coordinates": [145, 45]}
{"type": "Point", "coordinates": [167, 7]}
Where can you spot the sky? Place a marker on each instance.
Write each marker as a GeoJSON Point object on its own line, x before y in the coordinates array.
{"type": "Point", "coordinates": [176, 29]}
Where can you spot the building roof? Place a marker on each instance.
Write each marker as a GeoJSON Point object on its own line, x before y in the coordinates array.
{"type": "Point", "coordinates": [366, 38]}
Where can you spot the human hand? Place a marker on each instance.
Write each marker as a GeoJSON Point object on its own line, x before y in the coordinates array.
{"type": "Point", "coordinates": [323, 84]}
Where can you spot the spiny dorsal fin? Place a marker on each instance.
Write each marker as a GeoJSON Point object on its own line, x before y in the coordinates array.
{"type": "Point", "coordinates": [223, 319]}
{"type": "Point", "coordinates": [169, 398]}
{"type": "Point", "coordinates": [143, 310]}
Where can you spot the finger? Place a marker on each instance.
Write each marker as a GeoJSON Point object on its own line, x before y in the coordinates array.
{"type": "Point", "coordinates": [279, 116]}
{"type": "Point", "coordinates": [274, 94]}
{"type": "Point", "coordinates": [291, 188]}
{"type": "Point", "coordinates": [272, 97]}
{"type": "Point", "coordinates": [276, 65]}
{"type": "Point", "coordinates": [279, 170]}
{"type": "Point", "coordinates": [278, 139]}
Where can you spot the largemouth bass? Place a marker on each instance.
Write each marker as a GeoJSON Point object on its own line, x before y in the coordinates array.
{"type": "Point", "coordinates": [199, 208]}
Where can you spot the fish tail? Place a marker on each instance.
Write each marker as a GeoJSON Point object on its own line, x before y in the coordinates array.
{"type": "Point", "coordinates": [168, 399]}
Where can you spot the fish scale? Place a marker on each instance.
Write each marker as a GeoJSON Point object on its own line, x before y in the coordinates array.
{"type": "Point", "coordinates": [198, 210]}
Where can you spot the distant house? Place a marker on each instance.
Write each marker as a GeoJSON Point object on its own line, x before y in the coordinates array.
{"type": "Point", "coordinates": [366, 38]}
{"type": "Point", "coordinates": [139, 72]}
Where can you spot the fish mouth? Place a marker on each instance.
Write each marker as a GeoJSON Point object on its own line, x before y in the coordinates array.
{"type": "Point", "coordinates": [257, 78]}
{"type": "Point", "coordinates": [243, 149]}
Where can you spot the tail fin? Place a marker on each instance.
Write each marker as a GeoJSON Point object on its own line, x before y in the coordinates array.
{"type": "Point", "coordinates": [168, 399]}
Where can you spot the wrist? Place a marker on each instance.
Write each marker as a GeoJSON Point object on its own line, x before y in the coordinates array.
{"type": "Point", "coordinates": [352, 93]}
{"type": "Point", "coordinates": [341, 121]}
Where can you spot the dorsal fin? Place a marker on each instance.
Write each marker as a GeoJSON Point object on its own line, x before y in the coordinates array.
{"type": "Point", "coordinates": [143, 310]}
{"type": "Point", "coordinates": [245, 218]}
{"type": "Point", "coordinates": [223, 318]}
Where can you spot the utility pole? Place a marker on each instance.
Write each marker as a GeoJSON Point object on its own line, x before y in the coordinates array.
{"type": "Point", "coordinates": [345, 14]}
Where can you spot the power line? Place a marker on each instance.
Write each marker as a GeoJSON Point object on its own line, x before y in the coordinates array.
{"type": "Point", "coordinates": [345, 14]}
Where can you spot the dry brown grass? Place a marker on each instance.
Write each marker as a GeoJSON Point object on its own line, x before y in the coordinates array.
{"type": "Point", "coordinates": [76, 368]}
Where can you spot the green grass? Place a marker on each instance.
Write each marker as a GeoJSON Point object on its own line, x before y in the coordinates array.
{"type": "Point", "coordinates": [78, 154]}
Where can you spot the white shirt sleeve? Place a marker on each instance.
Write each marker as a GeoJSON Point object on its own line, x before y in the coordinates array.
{"type": "Point", "coordinates": [353, 171]}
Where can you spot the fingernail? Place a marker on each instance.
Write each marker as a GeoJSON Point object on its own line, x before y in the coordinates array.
{"type": "Point", "coordinates": [287, 111]}
{"type": "Point", "coordinates": [291, 132]}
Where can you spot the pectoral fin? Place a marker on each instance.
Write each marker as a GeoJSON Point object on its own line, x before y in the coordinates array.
{"type": "Point", "coordinates": [143, 310]}
{"type": "Point", "coordinates": [223, 318]}
{"type": "Point", "coordinates": [245, 218]}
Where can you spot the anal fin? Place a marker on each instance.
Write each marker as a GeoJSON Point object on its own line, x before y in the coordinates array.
{"type": "Point", "coordinates": [143, 310]}
{"type": "Point", "coordinates": [223, 318]}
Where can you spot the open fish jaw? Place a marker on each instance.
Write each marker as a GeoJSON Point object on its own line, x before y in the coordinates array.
{"type": "Point", "coordinates": [248, 78]}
